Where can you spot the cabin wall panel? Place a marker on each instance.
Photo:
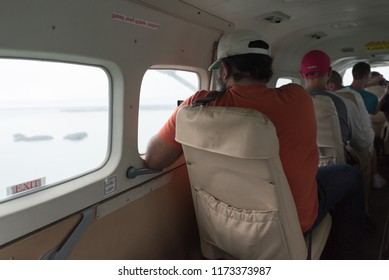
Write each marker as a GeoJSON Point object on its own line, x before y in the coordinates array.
{"type": "Point", "coordinates": [83, 31]}
{"type": "Point", "coordinates": [161, 225]}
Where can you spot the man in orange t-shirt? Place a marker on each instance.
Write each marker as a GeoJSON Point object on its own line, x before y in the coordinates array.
{"type": "Point", "coordinates": [244, 64]}
{"type": "Point", "coordinates": [290, 108]}
{"type": "Point", "coordinates": [291, 111]}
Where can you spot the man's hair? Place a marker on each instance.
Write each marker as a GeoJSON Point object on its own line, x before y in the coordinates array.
{"type": "Point", "coordinates": [335, 79]}
{"type": "Point", "coordinates": [313, 75]}
{"type": "Point", "coordinates": [375, 74]}
{"type": "Point", "coordinates": [360, 70]}
{"type": "Point", "coordinates": [256, 66]}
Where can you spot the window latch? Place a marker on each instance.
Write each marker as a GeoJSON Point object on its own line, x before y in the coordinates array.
{"type": "Point", "coordinates": [133, 172]}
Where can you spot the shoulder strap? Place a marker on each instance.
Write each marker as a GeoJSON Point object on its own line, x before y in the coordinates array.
{"type": "Point", "coordinates": [210, 97]}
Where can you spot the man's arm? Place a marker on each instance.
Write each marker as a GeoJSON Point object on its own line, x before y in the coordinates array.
{"type": "Point", "coordinates": [160, 154]}
{"type": "Point", "coordinates": [375, 81]}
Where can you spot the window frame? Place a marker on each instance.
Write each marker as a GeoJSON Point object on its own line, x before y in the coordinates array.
{"type": "Point", "coordinates": [109, 128]}
{"type": "Point", "coordinates": [48, 204]}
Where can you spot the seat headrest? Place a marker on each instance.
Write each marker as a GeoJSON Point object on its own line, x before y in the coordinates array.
{"type": "Point", "coordinates": [237, 132]}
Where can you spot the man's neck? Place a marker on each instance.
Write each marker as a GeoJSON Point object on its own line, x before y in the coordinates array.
{"type": "Point", "coordinates": [245, 82]}
{"type": "Point", "coordinates": [358, 84]}
{"type": "Point", "coordinates": [316, 88]}
{"type": "Point", "coordinates": [316, 84]}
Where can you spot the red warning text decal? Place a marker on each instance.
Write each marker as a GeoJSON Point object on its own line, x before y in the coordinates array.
{"type": "Point", "coordinates": [26, 186]}
{"type": "Point", "coordinates": [136, 21]}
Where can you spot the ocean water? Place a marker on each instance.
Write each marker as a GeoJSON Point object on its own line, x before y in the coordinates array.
{"type": "Point", "coordinates": [51, 155]}
{"type": "Point", "coordinates": [43, 152]}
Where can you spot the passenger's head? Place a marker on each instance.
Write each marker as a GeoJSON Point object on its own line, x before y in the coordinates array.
{"type": "Point", "coordinates": [377, 79]}
{"type": "Point", "coordinates": [335, 82]}
{"type": "Point", "coordinates": [243, 54]}
{"type": "Point", "coordinates": [316, 69]}
{"type": "Point", "coordinates": [361, 71]}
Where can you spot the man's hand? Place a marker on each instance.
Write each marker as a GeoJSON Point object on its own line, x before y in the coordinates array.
{"type": "Point", "coordinates": [377, 80]}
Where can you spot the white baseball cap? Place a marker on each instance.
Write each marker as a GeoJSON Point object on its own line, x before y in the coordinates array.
{"type": "Point", "coordinates": [239, 42]}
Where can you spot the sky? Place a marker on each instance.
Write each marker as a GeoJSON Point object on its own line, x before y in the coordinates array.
{"type": "Point", "coordinates": [164, 86]}
{"type": "Point", "coordinates": [31, 83]}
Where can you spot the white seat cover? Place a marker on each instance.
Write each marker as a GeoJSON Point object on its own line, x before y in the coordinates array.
{"type": "Point", "coordinates": [244, 206]}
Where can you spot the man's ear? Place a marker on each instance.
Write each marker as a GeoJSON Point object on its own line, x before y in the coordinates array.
{"type": "Point", "coordinates": [331, 86]}
{"type": "Point", "coordinates": [226, 71]}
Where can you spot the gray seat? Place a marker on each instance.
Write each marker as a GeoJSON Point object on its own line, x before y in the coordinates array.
{"type": "Point", "coordinates": [243, 203]}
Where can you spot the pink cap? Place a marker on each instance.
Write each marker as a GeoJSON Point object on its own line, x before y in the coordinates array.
{"type": "Point", "coordinates": [315, 64]}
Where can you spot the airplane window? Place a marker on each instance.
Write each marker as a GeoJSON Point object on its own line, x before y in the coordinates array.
{"type": "Point", "coordinates": [161, 90]}
{"type": "Point", "coordinates": [348, 76]}
{"type": "Point", "coordinates": [283, 81]}
{"type": "Point", "coordinates": [54, 123]}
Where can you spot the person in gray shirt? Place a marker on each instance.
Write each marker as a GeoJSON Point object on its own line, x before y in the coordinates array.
{"type": "Point", "coordinates": [316, 70]}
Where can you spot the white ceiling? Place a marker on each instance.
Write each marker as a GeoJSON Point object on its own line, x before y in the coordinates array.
{"type": "Point", "coordinates": [347, 24]}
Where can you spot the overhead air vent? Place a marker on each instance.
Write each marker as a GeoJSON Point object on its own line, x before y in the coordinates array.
{"type": "Point", "coordinates": [345, 24]}
{"type": "Point", "coordinates": [317, 35]}
{"type": "Point", "coordinates": [275, 17]}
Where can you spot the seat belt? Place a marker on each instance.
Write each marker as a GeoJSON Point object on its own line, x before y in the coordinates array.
{"type": "Point", "coordinates": [209, 98]}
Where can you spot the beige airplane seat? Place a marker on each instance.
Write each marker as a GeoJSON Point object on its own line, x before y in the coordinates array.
{"type": "Point", "coordinates": [329, 137]}
{"type": "Point", "coordinates": [350, 96]}
{"type": "Point", "coordinates": [243, 203]}
{"type": "Point", "coordinates": [361, 157]}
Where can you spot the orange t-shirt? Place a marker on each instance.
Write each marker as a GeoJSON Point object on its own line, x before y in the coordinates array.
{"type": "Point", "coordinates": [291, 110]}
